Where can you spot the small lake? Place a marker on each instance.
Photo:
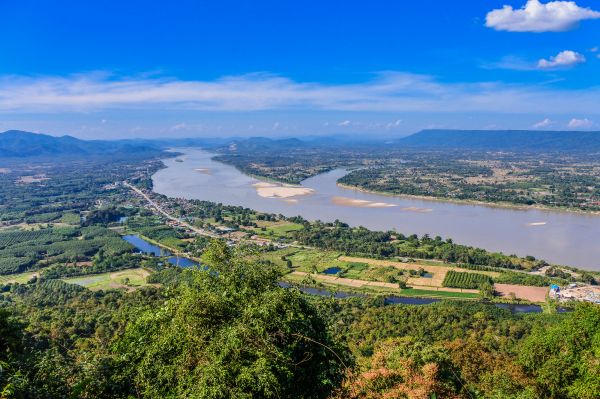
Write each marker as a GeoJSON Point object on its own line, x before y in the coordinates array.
{"type": "Point", "coordinates": [144, 246]}
{"type": "Point", "coordinates": [332, 270]}
{"type": "Point", "coordinates": [558, 237]}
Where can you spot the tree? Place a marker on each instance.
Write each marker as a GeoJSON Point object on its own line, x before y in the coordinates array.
{"type": "Point", "coordinates": [231, 333]}
{"type": "Point", "coordinates": [403, 368]}
{"type": "Point", "coordinates": [564, 357]}
{"type": "Point", "coordinates": [486, 290]}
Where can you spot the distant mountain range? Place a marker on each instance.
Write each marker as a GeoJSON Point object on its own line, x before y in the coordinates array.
{"type": "Point", "coordinates": [504, 140]}
{"type": "Point", "coordinates": [476, 140]}
{"type": "Point", "coordinates": [16, 143]}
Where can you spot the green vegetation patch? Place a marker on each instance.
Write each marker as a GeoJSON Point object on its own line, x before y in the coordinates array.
{"type": "Point", "coordinates": [123, 279]}
{"type": "Point", "coordinates": [165, 235]}
{"type": "Point", "coordinates": [465, 280]}
{"type": "Point", "coordinates": [437, 294]}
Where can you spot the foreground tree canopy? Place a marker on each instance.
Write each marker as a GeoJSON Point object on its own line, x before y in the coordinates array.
{"type": "Point", "coordinates": [229, 331]}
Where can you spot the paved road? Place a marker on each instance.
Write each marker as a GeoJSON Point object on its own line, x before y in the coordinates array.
{"type": "Point", "coordinates": [169, 216]}
{"type": "Point", "coordinates": [189, 226]}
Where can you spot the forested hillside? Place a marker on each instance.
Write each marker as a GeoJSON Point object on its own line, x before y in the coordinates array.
{"type": "Point", "coordinates": [15, 143]}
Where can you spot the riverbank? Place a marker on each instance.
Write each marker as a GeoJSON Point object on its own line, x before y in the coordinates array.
{"type": "Point", "coordinates": [502, 205]}
{"type": "Point", "coordinates": [567, 238]}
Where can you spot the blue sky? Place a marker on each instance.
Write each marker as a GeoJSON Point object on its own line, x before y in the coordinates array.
{"type": "Point", "coordinates": [275, 68]}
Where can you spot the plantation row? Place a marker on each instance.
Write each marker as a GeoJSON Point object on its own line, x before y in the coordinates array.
{"type": "Point", "coordinates": [22, 250]}
{"type": "Point", "coordinates": [9, 238]}
{"type": "Point", "coordinates": [465, 280]}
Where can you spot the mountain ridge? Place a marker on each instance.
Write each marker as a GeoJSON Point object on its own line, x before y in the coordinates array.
{"type": "Point", "coordinates": [512, 140]}
{"type": "Point", "coordinates": [17, 143]}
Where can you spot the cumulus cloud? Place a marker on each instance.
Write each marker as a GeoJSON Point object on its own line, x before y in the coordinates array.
{"type": "Point", "coordinates": [555, 16]}
{"type": "Point", "coordinates": [564, 59]}
{"type": "Point", "coordinates": [395, 92]}
{"type": "Point", "coordinates": [542, 124]}
{"type": "Point", "coordinates": [344, 123]}
{"type": "Point", "coordinates": [580, 123]}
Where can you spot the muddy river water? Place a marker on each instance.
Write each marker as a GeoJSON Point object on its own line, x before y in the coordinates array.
{"type": "Point", "coordinates": [558, 237]}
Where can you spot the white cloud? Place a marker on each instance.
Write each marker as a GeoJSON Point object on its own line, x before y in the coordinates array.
{"type": "Point", "coordinates": [542, 124]}
{"type": "Point", "coordinates": [511, 62]}
{"type": "Point", "coordinates": [394, 92]}
{"type": "Point", "coordinates": [179, 126]}
{"type": "Point", "coordinates": [344, 123]}
{"type": "Point", "coordinates": [554, 16]}
{"type": "Point", "coordinates": [564, 59]}
{"type": "Point", "coordinates": [393, 124]}
{"type": "Point", "coordinates": [580, 123]}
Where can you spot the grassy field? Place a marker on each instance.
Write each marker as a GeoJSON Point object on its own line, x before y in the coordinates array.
{"type": "Point", "coordinates": [126, 279]}
{"type": "Point", "coordinates": [306, 260]}
{"type": "Point", "coordinates": [275, 229]}
{"type": "Point", "coordinates": [438, 271]}
{"type": "Point", "coordinates": [437, 294]}
{"type": "Point", "coordinates": [20, 278]}
{"type": "Point", "coordinates": [317, 261]}
{"type": "Point", "coordinates": [330, 284]}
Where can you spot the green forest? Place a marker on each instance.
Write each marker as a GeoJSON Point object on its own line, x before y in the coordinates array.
{"type": "Point", "coordinates": [232, 332]}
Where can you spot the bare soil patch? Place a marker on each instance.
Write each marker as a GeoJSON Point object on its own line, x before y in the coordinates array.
{"type": "Point", "coordinates": [533, 294]}
{"type": "Point", "coordinates": [32, 179]}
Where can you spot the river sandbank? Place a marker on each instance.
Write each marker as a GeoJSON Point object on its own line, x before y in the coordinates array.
{"type": "Point", "coordinates": [277, 190]}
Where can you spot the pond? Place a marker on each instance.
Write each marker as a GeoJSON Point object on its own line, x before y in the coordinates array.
{"type": "Point", "coordinates": [145, 247]}
{"type": "Point", "coordinates": [332, 270]}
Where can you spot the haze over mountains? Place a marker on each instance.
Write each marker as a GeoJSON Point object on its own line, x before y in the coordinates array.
{"type": "Point", "coordinates": [14, 143]}
{"type": "Point", "coordinates": [505, 140]}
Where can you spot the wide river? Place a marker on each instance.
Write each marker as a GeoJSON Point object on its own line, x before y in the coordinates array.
{"type": "Point", "coordinates": [558, 237]}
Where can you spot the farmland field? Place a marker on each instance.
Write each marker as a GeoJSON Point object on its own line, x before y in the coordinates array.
{"type": "Point", "coordinates": [127, 279]}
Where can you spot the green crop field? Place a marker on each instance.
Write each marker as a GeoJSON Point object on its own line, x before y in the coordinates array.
{"type": "Point", "coordinates": [130, 278]}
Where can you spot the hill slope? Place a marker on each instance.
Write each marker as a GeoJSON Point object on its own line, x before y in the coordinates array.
{"type": "Point", "coordinates": [506, 140]}
{"type": "Point", "coordinates": [15, 143]}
